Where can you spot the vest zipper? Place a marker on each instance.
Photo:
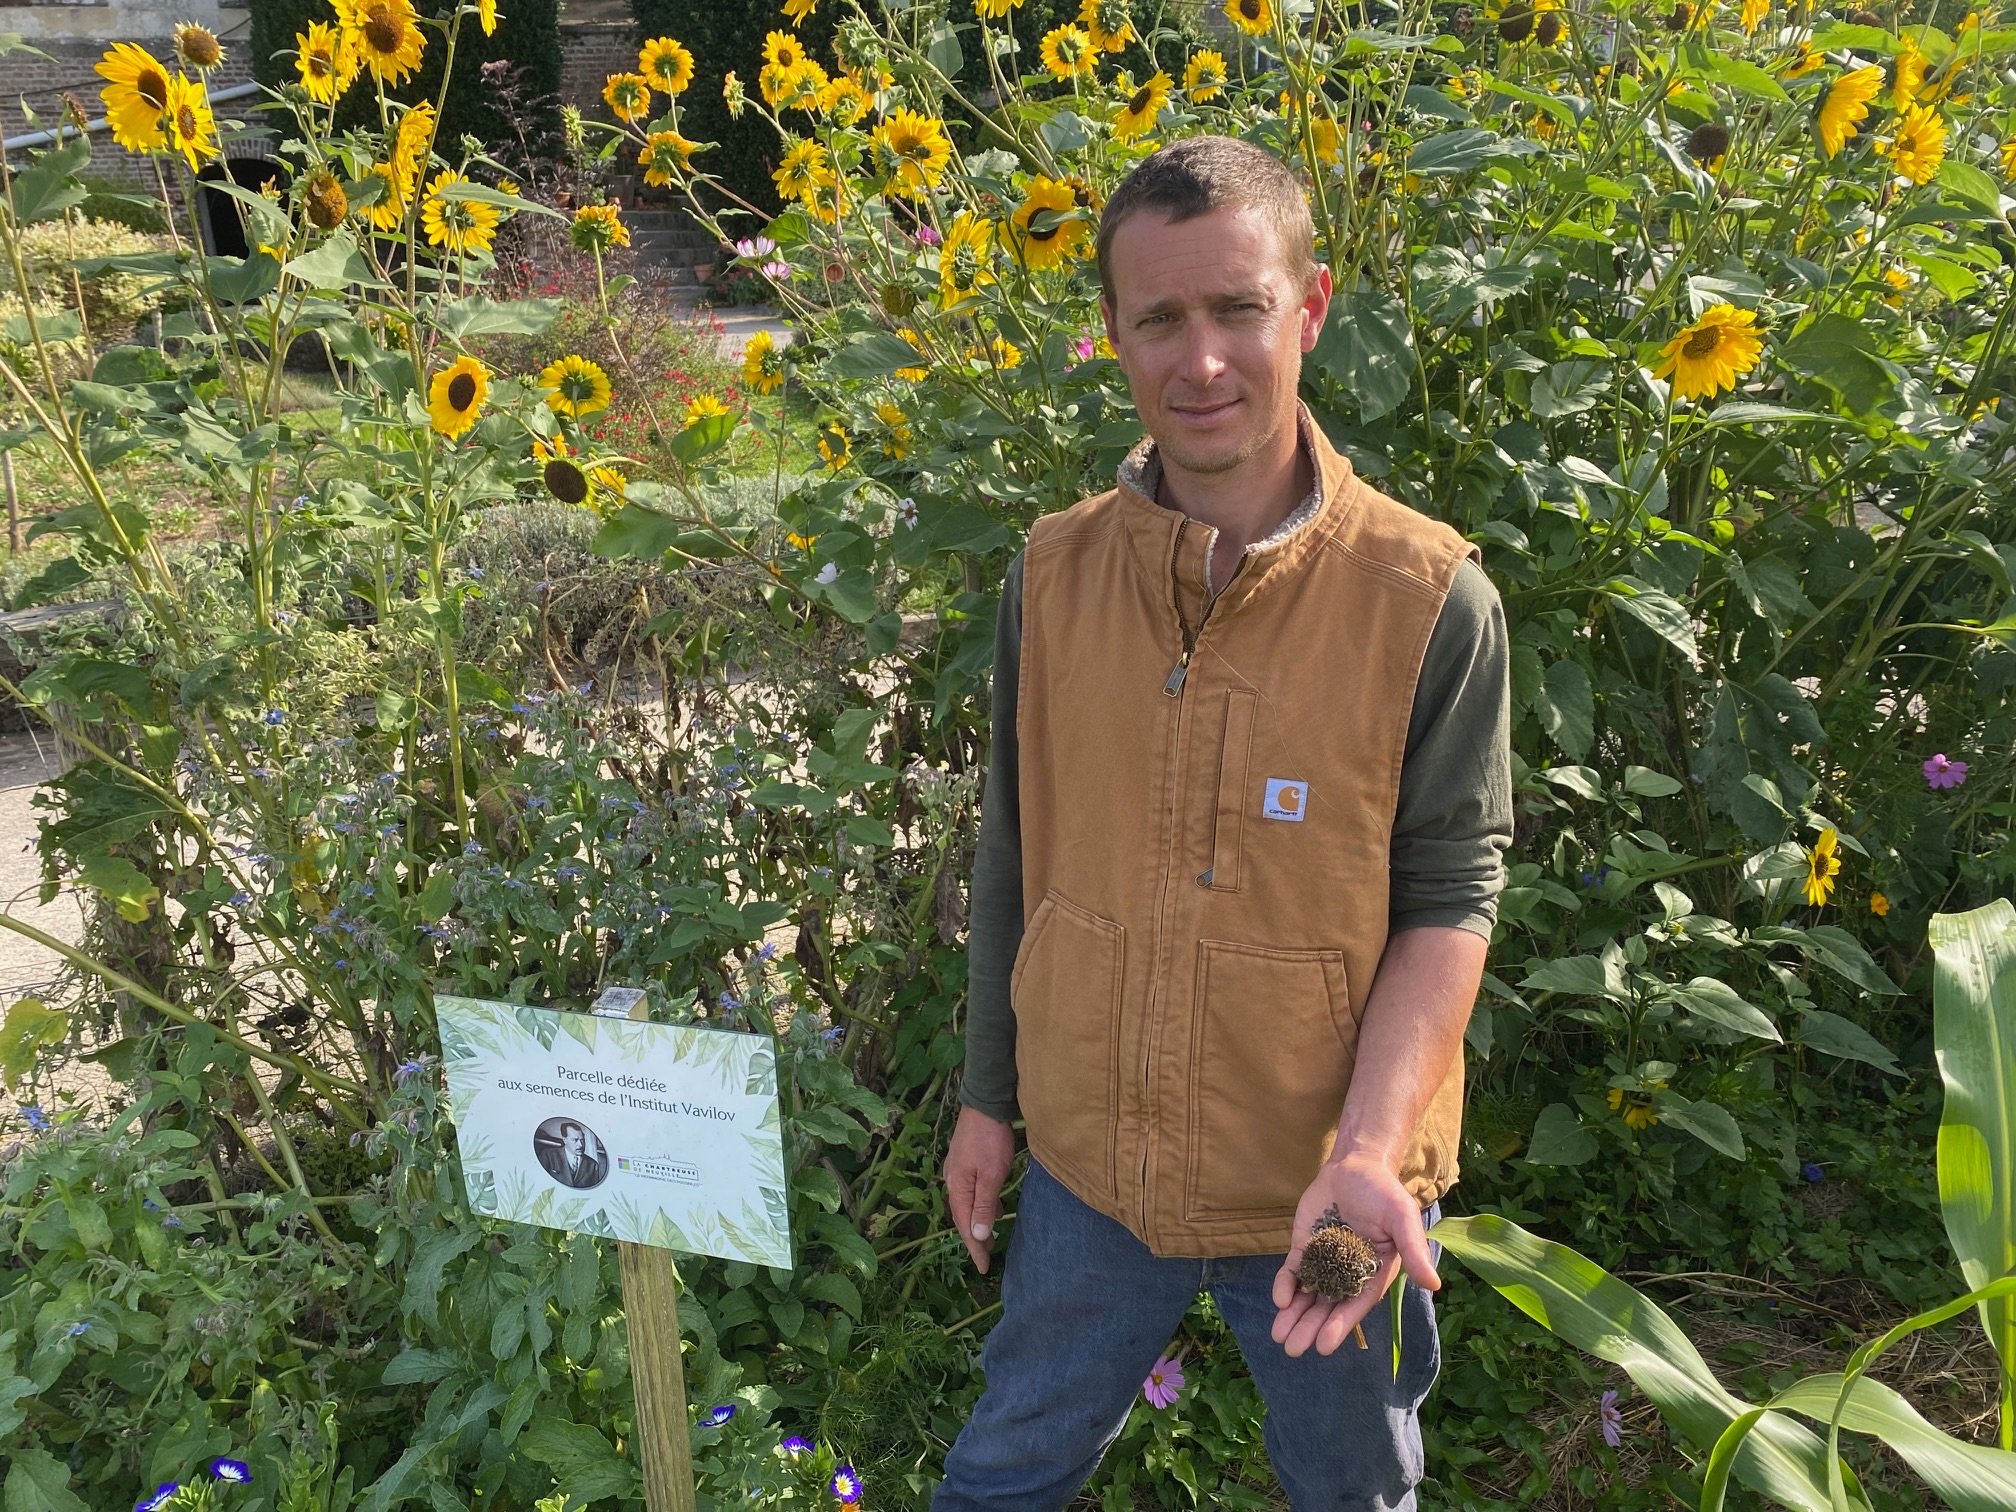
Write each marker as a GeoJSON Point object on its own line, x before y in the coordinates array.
{"type": "Point", "coordinates": [1180, 673]}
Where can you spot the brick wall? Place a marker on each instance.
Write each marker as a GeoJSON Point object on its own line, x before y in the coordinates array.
{"type": "Point", "coordinates": [591, 51]}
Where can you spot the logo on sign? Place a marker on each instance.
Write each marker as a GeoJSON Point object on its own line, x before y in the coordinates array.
{"type": "Point", "coordinates": [1286, 799]}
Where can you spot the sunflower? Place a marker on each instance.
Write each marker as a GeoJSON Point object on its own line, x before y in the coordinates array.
{"type": "Point", "coordinates": [1107, 23]}
{"type": "Point", "coordinates": [326, 62]}
{"type": "Point", "coordinates": [628, 95]}
{"type": "Point", "coordinates": [323, 200]}
{"type": "Point", "coordinates": [1846, 105]}
{"type": "Point", "coordinates": [191, 129]}
{"type": "Point", "coordinates": [457, 395]}
{"type": "Point", "coordinates": [386, 36]}
{"type": "Point", "coordinates": [965, 261]}
{"type": "Point", "coordinates": [1907, 75]}
{"type": "Point", "coordinates": [783, 50]}
{"type": "Point", "coordinates": [135, 95]}
{"type": "Point", "coordinates": [597, 228]}
{"type": "Point", "coordinates": [762, 368]}
{"type": "Point", "coordinates": [800, 88]}
{"type": "Point", "coordinates": [1068, 51]}
{"type": "Point", "coordinates": [911, 152]}
{"type": "Point", "coordinates": [1822, 866]}
{"type": "Point", "coordinates": [1204, 75]}
{"type": "Point", "coordinates": [916, 344]}
{"type": "Point", "coordinates": [1635, 1107]}
{"type": "Point", "coordinates": [702, 407]}
{"type": "Point", "coordinates": [2007, 152]}
{"type": "Point", "coordinates": [896, 441]}
{"type": "Point", "coordinates": [844, 101]}
{"type": "Point", "coordinates": [806, 168]}
{"type": "Point", "coordinates": [1916, 145]}
{"type": "Point", "coordinates": [1753, 14]}
{"type": "Point", "coordinates": [1000, 352]}
{"type": "Point", "coordinates": [995, 10]}
{"type": "Point", "coordinates": [388, 210]}
{"type": "Point", "coordinates": [664, 156]}
{"type": "Point", "coordinates": [1253, 17]}
{"type": "Point", "coordinates": [197, 47]}
{"type": "Point", "coordinates": [1047, 228]}
{"type": "Point", "coordinates": [795, 11]}
{"type": "Point", "coordinates": [1712, 353]}
{"type": "Point", "coordinates": [825, 202]}
{"type": "Point", "coordinates": [1897, 280]}
{"type": "Point", "coordinates": [1140, 107]}
{"type": "Point", "coordinates": [575, 386]}
{"type": "Point", "coordinates": [561, 474]}
{"type": "Point", "coordinates": [1806, 61]}
{"type": "Point", "coordinates": [486, 16]}
{"type": "Point", "coordinates": [834, 448]}
{"type": "Point", "coordinates": [460, 226]}
{"type": "Point", "coordinates": [667, 64]}
{"type": "Point", "coordinates": [610, 480]}
{"type": "Point", "coordinates": [411, 145]}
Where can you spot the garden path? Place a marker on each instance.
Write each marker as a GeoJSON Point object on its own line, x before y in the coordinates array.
{"type": "Point", "coordinates": [27, 761]}
{"type": "Point", "coordinates": [737, 326]}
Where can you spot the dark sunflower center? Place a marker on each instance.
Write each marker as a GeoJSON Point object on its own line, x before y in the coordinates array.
{"type": "Point", "coordinates": [1251, 9]}
{"type": "Point", "coordinates": [383, 30]}
{"type": "Point", "coordinates": [461, 391]}
{"type": "Point", "coordinates": [185, 123]}
{"type": "Point", "coordinates": [321, 65]}
{"type": "Point", "coordinates": [1050, 226]}
{"type": "Point", "coordinates": [566, 482]}
{"type": "Point", "coordinates": [1140, 101]}
{"type": "Point", "coordinates": [153, 88]}
{"type": "Point", "coordinates": [1702, 343]}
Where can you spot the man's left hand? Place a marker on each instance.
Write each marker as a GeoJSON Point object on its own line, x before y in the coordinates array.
{"type": "Point", "coordinates": [1363, 1191]}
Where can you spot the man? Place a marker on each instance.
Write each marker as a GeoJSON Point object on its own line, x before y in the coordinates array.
{"type": "Point", "coordinates": [569, 1161]}
{"type": "Point", "coordinates": [1250, 795]}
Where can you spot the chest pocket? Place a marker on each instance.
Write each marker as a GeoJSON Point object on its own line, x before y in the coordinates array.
{"type": "Point", "coordinates": [1235, 782]}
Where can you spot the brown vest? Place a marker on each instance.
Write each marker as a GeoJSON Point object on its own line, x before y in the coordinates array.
{"type": "Point", "coordinates": [1204, 851]}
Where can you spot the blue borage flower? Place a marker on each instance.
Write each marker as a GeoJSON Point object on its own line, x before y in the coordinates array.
{"type": "Point", "coordinates": [276, 716]}
{"type": "Point", "coordinates": [720, 1415]}
{"type": "Point", "coordinates": [163, 1494]}
{"type": "Point", "coordinates": [235, 1471]}
{"type": "Point", "coordinates": [796, 1445]}
{"type": "Point", "coordinates": [37, 1119]}
{"type": "Point", "coordinates": [845, 1486]}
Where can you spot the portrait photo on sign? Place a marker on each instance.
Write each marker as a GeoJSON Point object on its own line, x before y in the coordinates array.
{"type": "Point", "coordinates": [572, 1153]}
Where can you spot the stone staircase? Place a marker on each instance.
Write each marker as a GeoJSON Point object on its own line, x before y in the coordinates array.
{"type": "Point", "coordinates": [672, 249]}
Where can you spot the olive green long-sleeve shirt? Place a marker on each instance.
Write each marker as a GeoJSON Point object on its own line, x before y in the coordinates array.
{"type": "Point", "coordinates": [1452, 823]}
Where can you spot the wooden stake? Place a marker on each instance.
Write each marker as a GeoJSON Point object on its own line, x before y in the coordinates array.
{"type": "Point", "coordinates": [651, 1309]}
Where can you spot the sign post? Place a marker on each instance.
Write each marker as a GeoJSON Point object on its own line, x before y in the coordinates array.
{"type": "Point", "coordinates": [660, 1137]}
{"type": "Point", "coordinates": [657, 1366]}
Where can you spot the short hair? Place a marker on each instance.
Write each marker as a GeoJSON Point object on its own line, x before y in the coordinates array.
{"type": "Point", "coordinates": [1200, 174]}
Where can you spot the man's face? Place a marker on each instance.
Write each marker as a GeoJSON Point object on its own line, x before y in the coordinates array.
{"type": "Point", "coordinates": [572, 1142]}
{"type": "Point", "coordinates": [1210, 330]}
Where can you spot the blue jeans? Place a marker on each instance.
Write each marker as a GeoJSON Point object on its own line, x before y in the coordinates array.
{"type": "Point", "coordinates": [1085, 1311]}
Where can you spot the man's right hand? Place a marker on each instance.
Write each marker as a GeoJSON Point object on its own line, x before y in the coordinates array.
{"type": "Point", "coordinates": [976, 1168]}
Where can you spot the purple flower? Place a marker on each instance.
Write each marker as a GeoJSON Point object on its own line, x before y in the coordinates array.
{"type": "Point", "coordinates": [239, 899]}
{"type": "Point", "coordinates": [405, 1071]}
{"type": "Point", "coordinates": [1083, 348]}
{"type": "Point", "coordinates": [768, 952]}
{"type": "Point", "coordinates": [77, 1330]}
{"type": "Point", "coordinates": [1612, 1420]}
{"type": "Point", "coordinates": [1811, 1171]}
{"type": "Point", "coordinates": [1940, 772]}
{"type": "Point", "coordinates": [37, 1119]}
{"type": "Point", "coordinates": [163, 1494]}
{"type": "Point", "coordinates": [235, 1471]}
{"type": "Point", "coordinates": [720, 1415]}
{"type": "Point", "coordinates": [776, 269]}
{"type": "Point", "coordinates": [279, 717]}
{"type": "Point", "coordinates": [795, 1446]}
{"type": "Point", "coordinates": [730, 1003]}
{"type": "Point", "coordinates": [845, 1486]}
{"type": "Point", "coordinates": [1164, 1382]}
{"type": "Point", "coordinates": [926, 236]}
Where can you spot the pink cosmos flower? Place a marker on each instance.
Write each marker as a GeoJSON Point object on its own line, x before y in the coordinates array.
{"type": "Point", "coordinates": [776, 268]}
{"type": "Point", "coordinates": [1940, 772]}
{"type": "Point", "coordinates": [1163, 1383]}
{"type": "Point", "coordinates": [1083, 348]}
{"type": "Point", "coordinates": [926, 236]}
{"type": "Point", "coordinates": [760, 246]}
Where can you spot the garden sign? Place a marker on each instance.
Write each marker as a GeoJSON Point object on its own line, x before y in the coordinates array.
{"type": "Point", "coordinates": [660, 1136]}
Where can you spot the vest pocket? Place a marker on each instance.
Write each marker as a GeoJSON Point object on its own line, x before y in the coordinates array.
{"type": "Point", "coordinates": [1235, 763]}
{"type": "Point", "coordinates": [1065, 989]}
{"type": "Point", "coordinates": [1272, 1043]}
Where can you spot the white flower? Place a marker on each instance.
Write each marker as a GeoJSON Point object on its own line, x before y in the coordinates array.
{"type": "Point", "coordinates": [906, 511]}
{"type": "Point", "coordinates": [827, 574]}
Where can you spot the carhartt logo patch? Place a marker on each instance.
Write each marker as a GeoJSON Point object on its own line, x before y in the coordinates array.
{"type": "Point", "coordinates": [1286, 799]}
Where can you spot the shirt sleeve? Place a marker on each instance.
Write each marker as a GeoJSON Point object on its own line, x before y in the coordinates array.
{"type": "Point", "coordinates": [1453, 822]}
{"type": "Point", "coordinates": [994, 923]}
